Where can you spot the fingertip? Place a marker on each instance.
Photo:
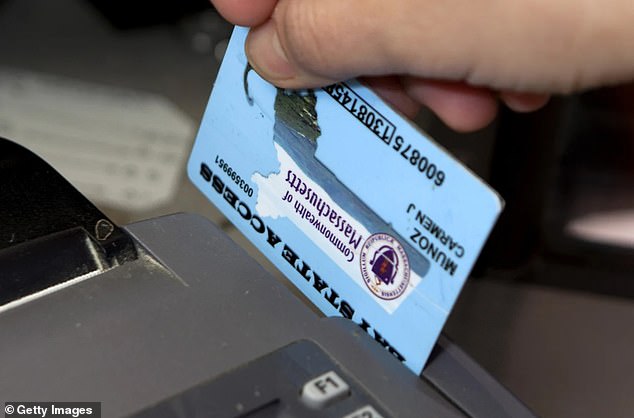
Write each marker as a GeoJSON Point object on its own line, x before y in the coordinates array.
{"type": "Point", "coordinates": [269, 59]}
{"type": "Point", "coordinates": [266, 54]}
{"type": "Point", "coordinates": [245, 12]}
{"type": "Point", "coordinates": [463, 108]}
{"type": "Point", "coordinates": [390, 89]}
{"type": "Point", "coordinates": [476, 119]}
{"type": "Point", "coordinates": [524, 102]}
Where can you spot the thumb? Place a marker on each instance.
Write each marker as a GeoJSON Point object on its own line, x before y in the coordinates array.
{"type": "Point", "coordinates": [525, 45]}
{"type": "Point", "coordinates": [311, 43]}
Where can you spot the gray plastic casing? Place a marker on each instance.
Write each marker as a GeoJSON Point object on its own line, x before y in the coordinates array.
{"type": "Point", "coordinates": [146, 330]}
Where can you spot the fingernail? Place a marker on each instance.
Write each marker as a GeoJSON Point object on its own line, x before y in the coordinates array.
{"type": "Point", "coordinates": [266, 55]}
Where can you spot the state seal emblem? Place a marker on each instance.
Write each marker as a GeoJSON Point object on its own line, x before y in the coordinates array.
{"type": "Point", "coordinates": [384, 266]}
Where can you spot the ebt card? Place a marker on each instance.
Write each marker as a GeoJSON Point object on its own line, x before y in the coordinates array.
{"type": "Point", "coordinates": [367, 216]}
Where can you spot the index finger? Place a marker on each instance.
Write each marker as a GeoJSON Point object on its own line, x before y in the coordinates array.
{"type": "Point", "coordinates": [245, 12]}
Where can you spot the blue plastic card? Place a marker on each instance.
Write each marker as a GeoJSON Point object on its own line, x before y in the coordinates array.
{"type": "Point", "coordinates": [367, 216]}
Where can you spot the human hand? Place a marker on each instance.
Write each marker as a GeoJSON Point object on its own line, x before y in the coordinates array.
{"type": "Point", "coordinates": [455, 57]}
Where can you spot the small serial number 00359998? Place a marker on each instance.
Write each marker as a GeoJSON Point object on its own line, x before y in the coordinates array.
{"type": "Point", "coordinates": [234, 176]}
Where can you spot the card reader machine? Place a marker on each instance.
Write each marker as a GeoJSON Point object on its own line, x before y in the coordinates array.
{"type": "Point", "coordinates": [169, 317]}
